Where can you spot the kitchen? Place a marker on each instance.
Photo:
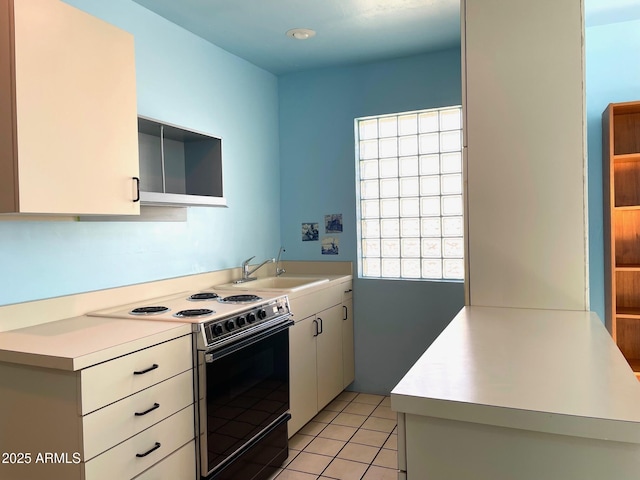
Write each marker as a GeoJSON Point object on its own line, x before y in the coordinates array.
{"type": "Point", "coordinates": [35, 252]}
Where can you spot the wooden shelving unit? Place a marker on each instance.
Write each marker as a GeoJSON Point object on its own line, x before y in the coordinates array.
{"type": "Point", "coordinates": [621, 175]}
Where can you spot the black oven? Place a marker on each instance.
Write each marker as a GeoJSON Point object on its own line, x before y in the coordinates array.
{"type": "Point", "coordinates": [243, 404]}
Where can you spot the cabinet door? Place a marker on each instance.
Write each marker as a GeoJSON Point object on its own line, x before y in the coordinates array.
{"type": "Point", "coordinates": [348, 354]}
{"type": "Point", "coordinates": [76, 147]}
{"type": "Point", "coordinates": [302, 373]}
{"type": "Point", "coordinates": [329, 348]}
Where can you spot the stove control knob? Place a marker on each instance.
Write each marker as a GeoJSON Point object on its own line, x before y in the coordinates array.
{"type": "Point", "coordinates": [230, 324]}
{"type": "Point", "coordinates": [251, 317]}
{"type": "Point", "coordinates": [262, 314]}
{"type": "Point", "coordinates": [217, 329]}
{"type": "Point", "coordinates": [240, 322]}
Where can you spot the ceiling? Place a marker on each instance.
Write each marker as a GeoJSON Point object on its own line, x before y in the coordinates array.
{"type": "Point", "coordinates": [348, 31]}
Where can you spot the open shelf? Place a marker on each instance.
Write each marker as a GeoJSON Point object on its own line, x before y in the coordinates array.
{"type": "Point", "coordinates": [627, 291]}
{"type": "Point", "coordinates": [628, 333]}
{"type": "Point", "coordinates": [626, 228]}
{"type": "Point", "coordinates": [627, 157]}
{"type": "Point", "coordinates": [626, 183]}
{"type": "Point", "coordinates": [634, 363]}
{"type": "Point", "coordinates": [628, 312]}
{"type": "Point", "coordinates": [628, 268]}
{"type": "Point", "coordinates": [179, 167]}
{"type": "Point", "coordinates": [628, 208]}
{"type": "Point", "coordinates": [626, 136]}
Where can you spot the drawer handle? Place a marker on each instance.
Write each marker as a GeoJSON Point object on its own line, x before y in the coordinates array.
{"type": "Point", "coordinates": [155, 406]}
{"type": "Point", "coordinates": [155, 447]}
{"type": "Point", "coordinates": [349, 291]}
{"type": "Point", "coordinates": [142, 372]}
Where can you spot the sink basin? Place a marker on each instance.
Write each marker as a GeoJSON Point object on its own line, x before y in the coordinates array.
{"type": "Point", "coordinates": [289, 284]}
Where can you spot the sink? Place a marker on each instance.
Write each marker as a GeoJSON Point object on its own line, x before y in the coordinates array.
{"type": "Point", "coordinates": [289, 284]}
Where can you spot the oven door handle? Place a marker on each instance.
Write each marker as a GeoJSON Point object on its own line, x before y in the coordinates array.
{"type": "Point", "coordinates": [213, 355]}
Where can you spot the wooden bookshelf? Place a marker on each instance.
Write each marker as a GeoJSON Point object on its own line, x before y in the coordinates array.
{"type": "Point", "coordinates": [621, 193]}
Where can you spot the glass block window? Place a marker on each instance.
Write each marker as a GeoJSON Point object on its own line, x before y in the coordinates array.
{"type": "Point", "coordinates": [410, 211]}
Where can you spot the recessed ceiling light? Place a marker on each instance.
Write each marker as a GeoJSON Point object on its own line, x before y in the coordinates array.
{"type": "Point", "coordinates": [301, 33]}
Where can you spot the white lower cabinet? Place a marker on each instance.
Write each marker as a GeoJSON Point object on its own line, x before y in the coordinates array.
{"type": "Point", "coordinates": [318, 346]}
{"type": "Point", "coordinates": [303, 397]}
{"type": "Point", "coordinates": [114, 420]}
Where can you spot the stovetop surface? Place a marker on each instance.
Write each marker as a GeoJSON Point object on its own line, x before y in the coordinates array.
{"type": "Point", "coordinates": [181, 302]}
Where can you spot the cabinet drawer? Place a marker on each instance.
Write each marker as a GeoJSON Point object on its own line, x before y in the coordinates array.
{"type": "Point", "coordinates": [180, 465]}
{"type": "Point", "coordinates": [110, 381]}
{"type": "Point", "coordinates": [122, 462]}
{"type": "Point", "coordinates": [347, 290]}
{"type": "Point", "coordinates": [115, 423]}
{"type": "Point", "coordinates": [307, 305]}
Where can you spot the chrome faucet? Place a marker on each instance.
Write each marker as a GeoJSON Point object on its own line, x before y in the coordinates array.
{"type": "Point", "coordinates": [279, 271]}
{"type": "Point", "coordinates": [246, 272]}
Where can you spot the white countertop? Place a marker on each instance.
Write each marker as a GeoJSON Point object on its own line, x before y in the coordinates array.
{"type": "Point", "coordinates": [79, 342]}
{"type": "Point", "coordinates": [543, 370]}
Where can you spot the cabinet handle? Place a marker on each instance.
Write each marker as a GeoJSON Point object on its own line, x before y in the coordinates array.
{"type": "Point", "coordinates": [349, 291]}
{"type": "Point", "coordinates": [321, 328]}
{"type": "Point", "coordinates": [155, 447]}
{"type": "Point", "coordinates": [137, 180]}
{"type": "Point", "coordinates": [142, 372]}
{"type": "Point", "coordinates": [140, 414]}
{"type": "Point", "coordinates": [317, 331]}
{"type": "Point", "coordinates": [346, 312]}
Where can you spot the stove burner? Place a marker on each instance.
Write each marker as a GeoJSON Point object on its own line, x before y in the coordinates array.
{"type": "Point", "coordinates": [195, 312]}
{"type": "Point", "coordinates": [152, 310]}
{"type": "Point", "coordinates": [203, 296]}
{"type": "Point", "coordinates": [240, 299]}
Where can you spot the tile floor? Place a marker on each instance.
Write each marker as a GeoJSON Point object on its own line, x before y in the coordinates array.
{"type": "Point", "coordinates": [353, 438]}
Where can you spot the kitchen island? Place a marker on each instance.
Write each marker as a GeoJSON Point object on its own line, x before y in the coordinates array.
{"type": "Point", "coordinates": [507, 393]}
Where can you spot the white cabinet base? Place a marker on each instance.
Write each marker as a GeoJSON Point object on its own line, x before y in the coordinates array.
{"type": "Point", "coordinates": [440, 449]}
{"type": "Point", "coordinates": [321, 350]}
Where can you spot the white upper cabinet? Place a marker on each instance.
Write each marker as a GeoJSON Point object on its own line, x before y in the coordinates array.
{"type": "Point", "coordinates": [68, 114]}
{"type": "Point", "coordinates": [523, 91]}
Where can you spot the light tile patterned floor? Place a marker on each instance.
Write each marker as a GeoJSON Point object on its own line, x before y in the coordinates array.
{"type": "Point", "coordinates": [353, 438]}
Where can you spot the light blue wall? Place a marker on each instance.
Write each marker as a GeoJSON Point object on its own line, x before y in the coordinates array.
{"type": "Point", "coordinates": [394, 320]}
{"type": "Point", "coordinates": [612, 75]}
{"type": "Point", "coordinates": [183, 80]}
{"type": "Point", "coordinates": [187, 81]}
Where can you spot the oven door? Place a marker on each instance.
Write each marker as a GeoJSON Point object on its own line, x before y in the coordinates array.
{"type": "Point", "coordinates": [244, 401]}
